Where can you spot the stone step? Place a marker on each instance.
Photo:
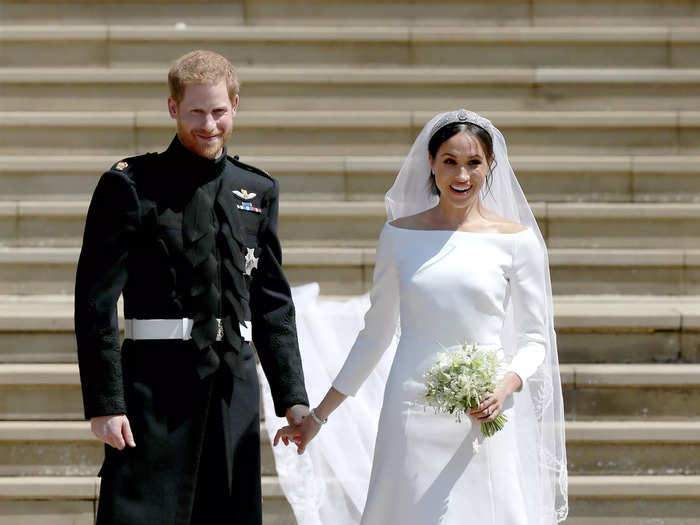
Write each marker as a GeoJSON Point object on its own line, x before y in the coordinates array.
{"type": "Point", "coordinates": [49, 448]}
{"type": "Point", "coordinates": [127, 133]}
{"type": "Point", "coordinates": [133, 12]}
{"type": "Point", "coordinates": [68, 448]}
{"type": "Point", "coordinates": [348, 271]}
{"type": "Point", "coordinates": [634, 500]}
{"type": "Point", "coordinates": [354, 223]}
{"type": "Point", "coordinates": [594, 500]}
{"type": "Point", "coordinates": [591, 391]}
{"type": "Point", "coordinates": [73, 500]}
{"type": "Point", "coordinates": [353, 12]}
{"type": "Point", "coordinates": [365, 88]}
{"type": "Point", "coordinates": [619, 178]}
{"type": "Point", "coordinates": [114, 45]}
{"type": "Point", "coordinates": [631, 391]}
{"type": "Point", "coordinates": [36, 392]}
{"type": "Point", "coordinates": [38, 331]}
{"type": "Point", "coordinates": [590, 329]}
{"type": "Point", "coordinates": [627, 329]}
{"type": "Point", "coordinates": [633, 447]}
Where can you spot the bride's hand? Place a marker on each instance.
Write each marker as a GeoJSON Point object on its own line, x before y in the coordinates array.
{"type": "Point", "coordinates": [492, 406]}
{"type": "Point", "coordinates": [300, 435]}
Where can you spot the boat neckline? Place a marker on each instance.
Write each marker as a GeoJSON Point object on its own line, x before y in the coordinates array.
{"type": "Point", "coordinates": [456, 231]}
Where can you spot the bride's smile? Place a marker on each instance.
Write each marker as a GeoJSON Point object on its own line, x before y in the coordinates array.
{"type": "Point", "coordinates": [460, 189]}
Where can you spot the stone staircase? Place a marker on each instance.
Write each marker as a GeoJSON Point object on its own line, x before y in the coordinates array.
{"type": "Point", "coordinates": [599, 101]}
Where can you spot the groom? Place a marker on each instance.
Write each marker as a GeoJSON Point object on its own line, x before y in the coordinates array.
{"type": "Point", "coordinates": [189, 236]}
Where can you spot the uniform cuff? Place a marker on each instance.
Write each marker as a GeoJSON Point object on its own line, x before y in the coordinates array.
{"type": "Point", "coordinates": [288, 402]}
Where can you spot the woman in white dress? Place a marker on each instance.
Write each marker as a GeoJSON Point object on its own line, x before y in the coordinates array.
{"type": "Point", "coordinates": [462, 261]}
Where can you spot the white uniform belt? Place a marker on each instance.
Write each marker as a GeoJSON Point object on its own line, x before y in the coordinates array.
{"type": "Point", "coordinates": [174, 329]}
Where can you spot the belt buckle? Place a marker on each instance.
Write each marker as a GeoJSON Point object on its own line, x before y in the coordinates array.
{"type": "Point", "coordinates": [219, 330]}
{"type": "Point", "coordinates": [128, 328]}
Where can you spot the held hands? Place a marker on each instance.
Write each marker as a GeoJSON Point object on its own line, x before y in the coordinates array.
{"type": "Point", "coordinates": [300, 435]}
{"type": "Point", "coordinates": [114, 430]}
{"type": "Point", "coordinates": [305, 432]}
{"type": "Point", "coordinates": [298, 428]}
{"type": "Point", "coordinates": [492, 406]}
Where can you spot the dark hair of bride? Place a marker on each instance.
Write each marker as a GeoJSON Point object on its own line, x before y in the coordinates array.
{"type": "Point", "coordinates": [450, 130]}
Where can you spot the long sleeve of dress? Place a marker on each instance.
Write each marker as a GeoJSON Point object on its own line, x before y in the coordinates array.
{"type": "Point", "coordinates": [112, 221]}
{"type": "Point", "coordinates": [527, 281]}
{"type": "Point", "coordinates": [274, 327]}
{"type": "Point", "coordinates": [380, 320]}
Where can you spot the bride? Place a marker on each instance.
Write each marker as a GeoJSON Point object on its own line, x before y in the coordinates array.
{"type": "Point", "coordinates": [461, 260]}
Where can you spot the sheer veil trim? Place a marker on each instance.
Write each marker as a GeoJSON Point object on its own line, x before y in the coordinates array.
{"type": "Point", "coordinates": [540, 404]}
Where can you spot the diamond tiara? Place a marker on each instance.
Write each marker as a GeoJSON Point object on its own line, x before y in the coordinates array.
{"type": "Point", "coordinates": [462, 116]}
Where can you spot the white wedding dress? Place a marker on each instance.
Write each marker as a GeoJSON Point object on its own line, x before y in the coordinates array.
{"type": "Point", "coordinates": [445, 288]}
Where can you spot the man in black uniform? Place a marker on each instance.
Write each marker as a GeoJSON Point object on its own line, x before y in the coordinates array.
{"type": "Point", "coordinates": [189, 236]}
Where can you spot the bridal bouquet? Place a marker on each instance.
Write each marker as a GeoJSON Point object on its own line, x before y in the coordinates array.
{"type": "Point", "coordinates": [461, 378]}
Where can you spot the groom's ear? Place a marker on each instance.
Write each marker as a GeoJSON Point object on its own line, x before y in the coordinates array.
{"type": "Point", "coordinates": [172, 107]}
{"type": "Point", "coordinates": [234, 104]}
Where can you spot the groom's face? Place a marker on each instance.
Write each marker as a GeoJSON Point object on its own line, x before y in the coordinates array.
{"type": "Point", "coordinates": [204, 118]}
{"type": "Point", "coordinates": [460, 166]}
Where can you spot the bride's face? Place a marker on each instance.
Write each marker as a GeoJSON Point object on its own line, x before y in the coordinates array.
{"type": "Point", "coordinates": [460, 167]}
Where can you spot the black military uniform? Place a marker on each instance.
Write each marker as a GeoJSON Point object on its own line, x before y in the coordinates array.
{"type": "Point", "coordinates": [183, 236]}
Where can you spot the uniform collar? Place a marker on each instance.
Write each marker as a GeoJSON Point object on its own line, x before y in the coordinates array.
{"type": "Point", "coordinates": [193, 165]}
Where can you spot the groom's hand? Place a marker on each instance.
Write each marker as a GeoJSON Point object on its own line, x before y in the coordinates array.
{"type": "Point", "coordinates": [296, 414]}
{"type": "Point", "coordinates": [114, 430]}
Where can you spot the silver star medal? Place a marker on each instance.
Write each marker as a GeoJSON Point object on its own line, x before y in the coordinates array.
{"type": "Point", "coordinates": [251, 261]}
{"type": "Point", "coordinates": [243, 194]}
